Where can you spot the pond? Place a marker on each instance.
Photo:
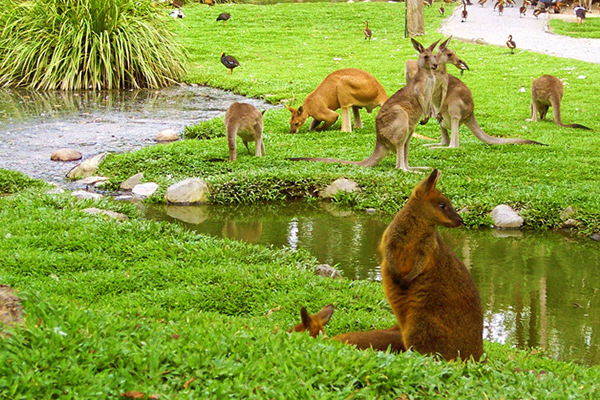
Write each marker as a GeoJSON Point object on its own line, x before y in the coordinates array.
{"type": "Point", "coordinates": [538, 289]}
{"type": "Point", "coordinates": [35, 124]}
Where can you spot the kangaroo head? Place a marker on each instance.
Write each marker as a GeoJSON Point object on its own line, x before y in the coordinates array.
{"type": "Point", "coordinates": [427, 59]}
{"type": "Point", "coordinates": [313, 323]}
{"type": "Point", "coordinates": [432, 205]}
{"type": "Point", "coordinates": [298, 118]}
{"type": "Point", "coordinates": [446, 56]}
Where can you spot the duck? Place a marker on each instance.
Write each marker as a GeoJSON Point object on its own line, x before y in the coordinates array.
{"type": "Point", "coordinates": [427, 3]}
{"type": "Point", "coordinates": [229, 62]}
{"type": "Point", "coordinates": [177, 13]}
{"type": "Point", "coordinates": [223, 17]}
{"type": "Point", "coordinates": [537, 12]}
{"type": "Point", "coordinates": [209, 2]}
{"type": "Point", "coordinates": [368, 33]}
{"type": "Point", "coordinates": [176, 3]}
{"type": "Point", "coordinates": [482, 2]}
{"type": "Point", "coordinates": [510, 43]}
{"type": "Point", "coordinates": [523, 9]}
{"type": "Point", "coordinates": [464, 13]}
{"type": "Point", "coordinates": [442, 10]}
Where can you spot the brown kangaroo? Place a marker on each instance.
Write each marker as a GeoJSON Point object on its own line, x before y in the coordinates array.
{"type": "Point", "coordinates": [430, 290]}
{"type": "Point", "coordinates": [456, 107]}
{"type": "Point", "coordinates": [397, 118]}
{"type": "Point", "coordinates": [245, 121]}
{"type": "Point", "coordinates": [547, 91]}
{"type": "Point", "coordinates": [380, 339]}
{"type": "Point", "coordinates": [345, 88]}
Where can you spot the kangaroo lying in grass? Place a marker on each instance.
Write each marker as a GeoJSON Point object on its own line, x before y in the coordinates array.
{"type": "Point", "coordinates": [397, 118]}
{"type": "Point", "coordinates": [453, 101]}
{"type": "Point", "coordinates": [432, 294]}
{"type": "Point", "coordinates": [245, 121]}
{"type": "Point", "coordinates": [345, 88]}
{"type": "Point", "coordinates": [547, 91]}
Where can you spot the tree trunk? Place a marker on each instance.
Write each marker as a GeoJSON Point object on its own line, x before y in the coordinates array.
{"type": "Point", "coordinates": [415, 24]}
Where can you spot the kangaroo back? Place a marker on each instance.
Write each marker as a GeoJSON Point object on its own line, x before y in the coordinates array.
{"type": "Point", "coordinates": [431, 292]}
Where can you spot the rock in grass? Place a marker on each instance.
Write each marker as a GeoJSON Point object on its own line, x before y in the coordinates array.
{"type": "Point", "coordinates": [83, 195]}
{"type": "Point", "coordinates": [11, 310]}
{"type": "Point", "coordinates": [596, 237]}
{"type": "Point", "coordinates": [93, 180]}
{"type": "Point", "coordinates": [567, 213]}
{"type": "Point", "coordinates": [327, 271]}
{"type": "Point", "coordinates": [188, 191]}
{"type": "Point", "coordinates": [86, 168]}
{"type": "Point", "coordinates": [570, 223]}
{"type": "Point", "coordinates": [108, 213]}
{"type": "Point", "coordinates": [339, 185]}
{"type": "Point", "coordinates": [144, 189]}
{"type": "Point", "coordinates": [66, 155]}
{"type": "Point", "coordinates": [506, 218]}
{"type": "Point", "coordinates": [167, 135]}
{"type": "Point", "coordinates": [130, 182]}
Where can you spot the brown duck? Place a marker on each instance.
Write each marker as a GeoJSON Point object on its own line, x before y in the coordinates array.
{"type": "Point", "coordinates": [229, 62]}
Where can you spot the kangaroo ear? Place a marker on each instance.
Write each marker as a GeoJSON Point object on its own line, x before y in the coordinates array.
{"type": "Point", "coordinates": [300, 110]}
{"type": "Point", "coordinates": [432, 46]}
{"type": "Point", "coordinates": [263, 112]}
{"type": "Point", "coordinates": [427, 184]}
{"type": "Point", "coordinates": [325, 314]}
{"type": "Point", "coordinates": [444, 44]}
{"type": "Point", "coordinates": [418, 46]}
{"type": "Point", "coordinates": [306, 318]}
{"type": "Point", "coordinates": [289, 108]}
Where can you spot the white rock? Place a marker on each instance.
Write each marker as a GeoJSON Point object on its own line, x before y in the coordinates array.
{"type": "Point", "coordinates": [130, 182]}
{"type": "Point", "coordinates": [66, 155]}
{"type": "Point", "coordinates": [55, 191]}
{"type": "Point", "coordinates": [188, 191]}
{"type": "Point", "coordinates": [83, 195]}
{"type": "Point", "coordinates": [339, 185]}
{"type": "Point", "coordinates": [167, 135]}
{"type": "Point", "coordinates": [93, 180]}
{"type": "Point", "coordinates": [111, 214]}
{"type": "Point", "coordinates": [567, 212]}
{"type": "Point", "coordinates": [144, 189]}
{"type": "Point", "coordinates": [581, 77]}
{"type": "Point", "coordinates": [327, 271]}
{"type": "Point", "coordinates": [505, 217]}
{"type": "Point", "coordinates": [522, 89]}
{"type": "Point", "coordinates": [86, 168]}
{"type": "Point", "coordinates": [123, 197]}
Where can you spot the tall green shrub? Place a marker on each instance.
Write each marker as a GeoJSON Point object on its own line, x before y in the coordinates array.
{"type": "Point", "coordinates": [87, 44]}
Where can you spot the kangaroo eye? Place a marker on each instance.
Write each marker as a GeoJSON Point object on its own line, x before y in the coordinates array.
{"type": "Point", "coordinates": [442, 206]}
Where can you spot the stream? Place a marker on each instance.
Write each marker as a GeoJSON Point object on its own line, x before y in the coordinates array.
{"type": "Point", "coordinates": [537, 289]}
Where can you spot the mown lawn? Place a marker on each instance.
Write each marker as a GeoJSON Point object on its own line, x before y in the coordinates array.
{"type": "Point", "coordinates": [589, 29]}
{"type": "Point", "coordinates": [286, 50]}
{"type": "Point", "coordinates": [141, 306]}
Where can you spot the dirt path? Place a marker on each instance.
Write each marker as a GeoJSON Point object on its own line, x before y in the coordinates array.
{"type": "Point", "coordinates": [530, 33]}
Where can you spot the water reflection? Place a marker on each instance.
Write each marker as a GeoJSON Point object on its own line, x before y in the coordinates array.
{"type": "Point", "coordinates": [537, 289]}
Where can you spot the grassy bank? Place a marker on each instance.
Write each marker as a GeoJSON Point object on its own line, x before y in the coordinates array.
{"type": "Point", "coordinates": [286, 50]}
{"type": "Point", "coordinates": [589, 29]}
{"type": "Point", "coordinates": [170, 313]}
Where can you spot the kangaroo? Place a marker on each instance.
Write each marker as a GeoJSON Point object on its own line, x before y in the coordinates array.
{"type": "Point", "coordinates": [456, 107]}
{"type": "Point", "coordinates": [430, 290]}
{"type": "Point", "coordinates": [380, 339]}
{"type": "Point", "coordinates": [245, 121]}
{"type": "Point", "coordinates": [397, 118]}
{"type": "Point", "coordinates": [345, 88]}
{"type": "Point", "coordinates": [547, 91]}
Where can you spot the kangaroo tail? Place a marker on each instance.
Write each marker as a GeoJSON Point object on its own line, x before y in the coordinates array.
{"type": "Point", "coordinates": [578, 126]}
{"type": "Point", "coordinates": [318, 159]}
{"type": "Point", "coordinates": [484, 137]}
{"type": "Point", "coordinates": [557, 119]}
{"type": "Point", "coordinates": [379, 153]}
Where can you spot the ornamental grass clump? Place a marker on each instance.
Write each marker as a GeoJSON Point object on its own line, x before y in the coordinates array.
{"type": "Point", "coordinates": [87, 44]}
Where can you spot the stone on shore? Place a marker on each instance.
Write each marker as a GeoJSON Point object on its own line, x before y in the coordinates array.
{"type": "Point", "coordinates": [339, 185]}
{"type": "Point", "coordinates": [86, 168]}
{"type": "Point", "coordinates": [130, 182]}
{"type": "Point", "coordinates": [188, 191]}
{"type": "Point", "coordinates": [167, 135]}
{"type": "Point", "coordinates": [84, 195]}
{"type": "Point", "coordinates": [506, 218]}
{"type": "Point", "coordinates": [108, 213]}
{"type": "Point", "coordinates": [66, 155]}
{"type": "Point", "coordinates": [144, 190]}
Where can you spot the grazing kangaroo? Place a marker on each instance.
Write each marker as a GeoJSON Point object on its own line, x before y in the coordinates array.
{"type": "Point", "coordinates": [380, 339]}
{"type": "Point", "coordinates": [345, 88]}
{"type": "Point", "coordinates": [456, 107]}
{"type": "Point", "coordinates": [430, 290]}
{"type": "Point", "coordinates": [245, 121]}
{"type": "Point", "coordinates": [547, 91]}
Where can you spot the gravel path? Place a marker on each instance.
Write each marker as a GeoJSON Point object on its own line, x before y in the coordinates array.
{"type": "Point", "coordinates": [486, 26]}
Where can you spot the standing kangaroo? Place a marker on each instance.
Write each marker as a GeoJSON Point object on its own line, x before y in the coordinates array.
{"type": "Point", "coordinates": [345, 88]}
{"type": "Point", "coordinates": [245, 121]}
{"type": "Point", "coordinates": [430, 291]}
{"type": "Point", "coordinates": [457, 106]}
{"type": "Point", "coordinates": [547, 91]}
{"type": "Point", "coordinates": [397, 118]}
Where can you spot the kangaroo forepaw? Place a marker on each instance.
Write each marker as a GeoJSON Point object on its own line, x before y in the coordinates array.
{"type": "Point", "coordinates": [424, 121]}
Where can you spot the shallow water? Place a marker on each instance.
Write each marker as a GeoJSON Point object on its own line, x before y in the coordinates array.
{"type": "Point", "coordinates": [537, 289]}
{"type": "Point", "coordinates": [35, 124]}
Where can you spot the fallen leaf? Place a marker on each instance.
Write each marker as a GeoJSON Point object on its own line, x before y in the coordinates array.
{"type": "Point", "coordinates": [278, 308]}
{"type": "Point", "coordinates": [175, 336]}
{"type": "Point", "coordinates": [153, 397]}
{"type": "Point", "coordinates": [133, 395]}
{"type": "Point", "coordinates": [188, 382]}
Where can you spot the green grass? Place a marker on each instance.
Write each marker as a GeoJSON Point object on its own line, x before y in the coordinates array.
{"type": "Point", "coordinates": [287, 49]}
{"type": "Point", "coordinates": [589, 29]}
{"type": "Point", "coordinates": [159, 306]}
{"type": "Point", "coordinates": [88, 44]}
